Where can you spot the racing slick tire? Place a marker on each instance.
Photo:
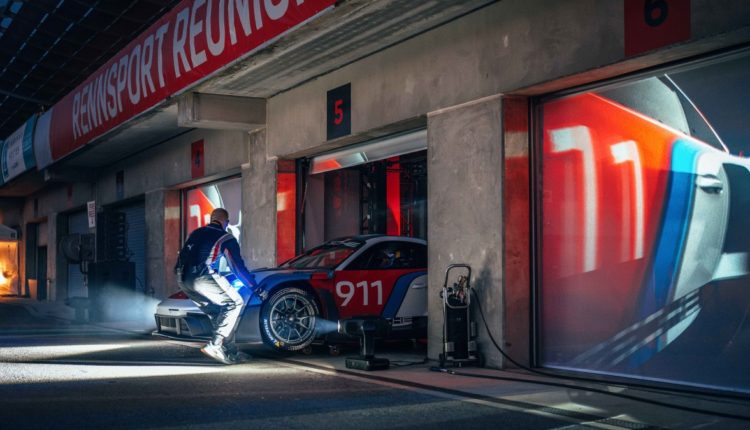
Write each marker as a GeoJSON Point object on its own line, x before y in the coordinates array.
{"type": "Point", "coordinates": [288, 319]}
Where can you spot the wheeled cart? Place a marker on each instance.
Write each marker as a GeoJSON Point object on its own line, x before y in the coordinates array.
{"type": "Point", "coordinates": [459, 332]}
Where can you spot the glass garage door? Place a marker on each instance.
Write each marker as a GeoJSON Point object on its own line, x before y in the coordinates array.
{"type": "Point", "coordinates": [645, 242]}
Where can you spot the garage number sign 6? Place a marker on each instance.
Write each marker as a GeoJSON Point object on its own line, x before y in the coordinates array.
{"type": "Point", "coordinates": [347, 290]}
{"type": "Point", "coordinates": [652, 24]}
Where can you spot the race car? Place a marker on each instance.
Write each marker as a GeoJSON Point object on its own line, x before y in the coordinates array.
{"type": "Point", "coordinates": [644, 205]}
{"type": "Point", "coordinates": [368, 275]}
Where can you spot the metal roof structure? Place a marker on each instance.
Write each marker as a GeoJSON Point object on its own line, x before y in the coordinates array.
{"type": "Point", "coordinates": [48, 47]}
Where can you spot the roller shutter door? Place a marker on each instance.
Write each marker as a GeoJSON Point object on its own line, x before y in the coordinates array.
{"type": "Point", "coordinates": [78, 222]}
{"type": "Point", "coordinates": [135, 217]}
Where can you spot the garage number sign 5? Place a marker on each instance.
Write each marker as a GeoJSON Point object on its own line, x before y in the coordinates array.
{"type": "Point", "coordinates": [339, 108]}
{"type": "Point", "coordinates": [347, 290]}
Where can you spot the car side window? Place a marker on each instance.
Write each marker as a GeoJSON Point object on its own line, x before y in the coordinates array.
{"type": "Point", "coordinates": [392, 255]}
{"type": "Point", "coordinates": [663, 100]}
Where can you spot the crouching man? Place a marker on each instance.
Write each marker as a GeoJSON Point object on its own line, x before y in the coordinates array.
{"type": "Point", "coordinates": [198, 276]}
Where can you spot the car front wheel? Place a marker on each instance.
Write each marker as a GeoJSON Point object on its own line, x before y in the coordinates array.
{"type": "Point", "coordinates": [288, 319]}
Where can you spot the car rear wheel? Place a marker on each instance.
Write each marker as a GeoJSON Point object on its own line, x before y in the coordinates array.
{"type": "Point", "coordinates": [288, 319]}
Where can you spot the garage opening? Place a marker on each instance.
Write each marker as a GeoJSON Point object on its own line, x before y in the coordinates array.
{"type": "Point", "coordinates": [375, 188]}
{"type": "Point", "coordinates": [198, 203]}
{"type": "Point", "coordinates": [361, 225]}
{"type": "Point", "coordinates": [8, 261]}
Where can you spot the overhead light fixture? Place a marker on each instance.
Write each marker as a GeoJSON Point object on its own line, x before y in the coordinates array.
{"type": "Point", "coordinates": [369, 152]}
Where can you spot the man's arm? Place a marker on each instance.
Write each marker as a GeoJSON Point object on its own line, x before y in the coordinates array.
{"type": "Point", "coordinates": [232, 254]}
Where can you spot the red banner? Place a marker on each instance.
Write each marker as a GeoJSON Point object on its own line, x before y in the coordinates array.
{"type": "Point", "coordinates": [195, 39]}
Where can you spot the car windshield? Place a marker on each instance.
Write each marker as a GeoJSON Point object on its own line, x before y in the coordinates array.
{"type": "Point", "coordinates": [326, 256]}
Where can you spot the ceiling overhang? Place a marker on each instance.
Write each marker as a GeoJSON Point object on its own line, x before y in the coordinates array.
{"type": "Point", "coordinates": [27, 183]}
{"type": "Point", "coordinates": [353, 30]}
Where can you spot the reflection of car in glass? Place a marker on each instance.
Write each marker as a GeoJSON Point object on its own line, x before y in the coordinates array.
{"type": "Point", "coordinates": [307, 295]}
{"type": "Point", "coordinates": [199, 202]}
{"type": "Point", "coordinates": [642, 206]}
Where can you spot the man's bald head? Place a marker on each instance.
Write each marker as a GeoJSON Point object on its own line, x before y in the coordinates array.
{"type": "Point", "coordinates": [221, 216]}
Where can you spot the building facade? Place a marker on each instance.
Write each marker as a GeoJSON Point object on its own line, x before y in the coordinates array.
{"type": "Point", "coordinates": [586, 158]}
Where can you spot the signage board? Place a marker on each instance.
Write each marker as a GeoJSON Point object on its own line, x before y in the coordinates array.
{"type": "Point", "coordinates": [17, 154]}
{"type": "Point", "coordinates": [91, 211]}
{"type": "Point", "coordinates": [339, 112]}
{"type": "Point", "coordinates": [184, 47]}
{"type": "Point", "coordinates": [652, 24]}
{"type": "Point", "coordinates": [197, 156]}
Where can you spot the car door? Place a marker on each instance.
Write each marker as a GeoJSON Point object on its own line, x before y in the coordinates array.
{"type": "Point", "coordinates": [377, 282]}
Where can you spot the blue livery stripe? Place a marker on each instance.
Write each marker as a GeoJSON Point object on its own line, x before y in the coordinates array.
{"type": "Point", "coordinates": [272, 281]}
{"type": "Point", "coordinates": [398, 293]}
{"type": "Point", "coordinates": [671, 241]}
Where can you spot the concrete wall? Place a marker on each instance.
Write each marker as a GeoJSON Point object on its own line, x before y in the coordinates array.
{"type": "Point", "coordinates": [52, 257]}
{"type": "Point", "coordinates": [523, 47]}
{"type": "Point", "coordinates": [162, 240]}
{"type": "Point", "coordinates": [58, 198]}
{"type": "Point", "coordinates": [259, 205]}
{"type": "Point", "coordinates": [513, 46]}
{"type": "Point", "coordinates": [154, 175]}
{"type": "Point", "coordinates": [464, 165]}
{"type": "Point", "coordinates": [51, 205]}
{"type": "Point", "coordinates": [10, 212]}
{"type": "Point", "coordinates": [168, 165]}
{"type": "Point", "coordinates": [157, 174]}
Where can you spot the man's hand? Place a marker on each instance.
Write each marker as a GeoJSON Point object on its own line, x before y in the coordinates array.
{"type": "Point", "coordinates": [261, 294]}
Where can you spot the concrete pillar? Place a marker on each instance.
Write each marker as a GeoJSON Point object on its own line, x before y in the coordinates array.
{"type": "Point", "coordinates": [163, 241]}
{"type": "Point", "coordinates": [60, 280]}
{"type": "Point", "coordinates": [465, 165]}
{"type": "Point", "coordinates": [21, 287]}
{"type": "Point", "coordinates": [259, 205]}
{"type": "Point", "coordinates": [52, 258]}
{"type": "Point", "coordinates": [517, 233]}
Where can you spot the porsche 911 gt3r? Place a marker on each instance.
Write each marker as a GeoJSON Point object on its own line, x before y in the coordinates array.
{"type": "Point", "coordinates": [343, 278]}
{"type": "Point", "coordinates": [639, 196]}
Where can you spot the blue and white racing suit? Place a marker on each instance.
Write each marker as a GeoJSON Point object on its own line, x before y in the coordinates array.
{"type": "Point", "coordinates": [199, 277]}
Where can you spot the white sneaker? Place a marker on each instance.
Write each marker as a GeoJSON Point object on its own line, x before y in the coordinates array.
{"type": "Point", "coordinates": [217, 353]}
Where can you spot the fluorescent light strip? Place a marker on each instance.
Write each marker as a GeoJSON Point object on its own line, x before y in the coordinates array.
{"type": "Point", "coordinates": [369, 152]}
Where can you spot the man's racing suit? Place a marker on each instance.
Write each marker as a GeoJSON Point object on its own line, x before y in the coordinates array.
{"type": "Point", "coordinates": [198, 276]}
